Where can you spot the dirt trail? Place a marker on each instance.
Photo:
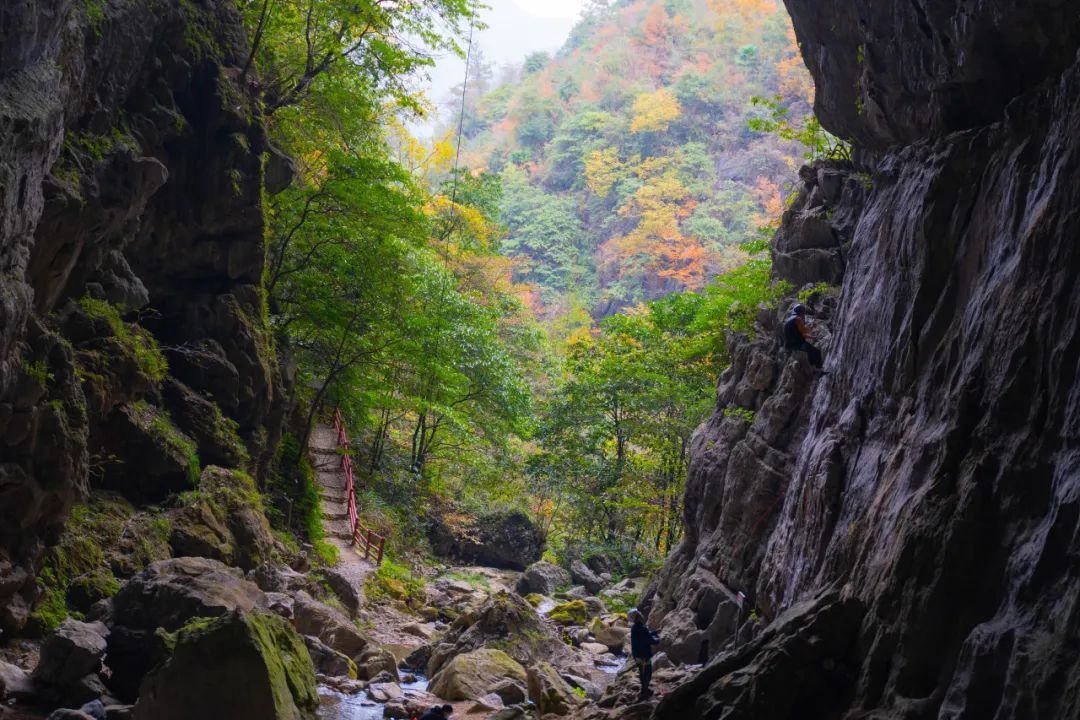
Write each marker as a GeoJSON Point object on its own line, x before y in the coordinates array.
{"type": "Point", "coordinates": [335, 508]}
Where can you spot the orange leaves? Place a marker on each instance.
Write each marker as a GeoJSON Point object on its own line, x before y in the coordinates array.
{"type": "Point", "coordinates": [768, 196]}
{"type": "Point", "coordinates": [655, 111]}
{"type": "Point", "coordinates": [657, 249]}
{"type": "Point", "coordinates": [655, 29]}
{"type": "Point", "coordinates": [795, 79]}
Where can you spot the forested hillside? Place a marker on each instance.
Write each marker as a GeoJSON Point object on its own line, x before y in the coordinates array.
{"type": "Point", "coordinates": [628, 163]}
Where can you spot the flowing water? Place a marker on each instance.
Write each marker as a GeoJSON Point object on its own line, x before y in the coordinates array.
{"type": "Point", "coordinates": [342, 706]}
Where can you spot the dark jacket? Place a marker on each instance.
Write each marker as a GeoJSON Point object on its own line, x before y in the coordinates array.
{"type": "Point", "coordinates": [433, 714]}
{"type": "Point", "coordinates": [642, 640]}
{"type": "Point", "coordinates": [793, 336]}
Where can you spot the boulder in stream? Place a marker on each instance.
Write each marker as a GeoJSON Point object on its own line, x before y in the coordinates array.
{"type": "Point", "coordinates": [242, 666]}
{"type": "Point", "coordinates": [473, 674]}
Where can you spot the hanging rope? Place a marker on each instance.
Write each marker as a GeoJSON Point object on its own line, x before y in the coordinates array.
{"type": "Point", "coordinates": [461, 114]}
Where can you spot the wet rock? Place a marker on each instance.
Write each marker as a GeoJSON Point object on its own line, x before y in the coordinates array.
{"type": "Point", "coordinates": [542, 578]}
{"type": "Point", "coordinates": [259, 653]}
{"type": "Point", "coordinates": [419, 657]}
{"type": "Point", "coordinates": [582, 575]}
{"type": "Point", "coordinates": [411, 706]}
{"type": "Point", "coordinates": [501, 539]}
{"type": "Point", "coordinates": [375, 661]}
{"type": "Point", "coordinates": [550, 692]}
{"type": "Point", "coordinates": [312, 617]}
{"type": "Point", "coordinates": [329, 661]}
{"type": "Point", "coordinates": [470, 675]}
{"type": "Point", "coordinates": [594, 648]}
{"type": "Point", "coordinates": [383, 692]}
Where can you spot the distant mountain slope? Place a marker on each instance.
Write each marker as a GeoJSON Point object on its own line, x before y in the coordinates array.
{"type": "Point", "coordinates": [628, 167]}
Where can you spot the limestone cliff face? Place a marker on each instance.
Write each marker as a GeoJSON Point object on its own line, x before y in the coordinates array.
{"type": "Point", "coordinates": [907, 527]}
{"type": "Point", "coordinates": [132, 340]}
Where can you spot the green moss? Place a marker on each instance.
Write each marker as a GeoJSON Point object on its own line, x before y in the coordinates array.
{"type": "Point", "coordinates": [394, 581]}
{"type": "Point", "coordinates": [134, 340]}
{"type": "Point", "coordinates": [217, 643]}
{"type": "Point", "coordinates": [574, 612]}
{"type": "Point", "coordinates": [227, 431]}
{"type": "Point", "coordinates": [157, 422]}
{"type": "Point", "coordinates": [80, 553]}
{"type": "Point", "coordinates": [534, 599]}
{"type": "Point", "coordinates": [52, 606]}
{"type": "Point", "coordinates": [199, 33]}
{"type": "Point", "coordinates": [39, 371]}
{"type": "Point", "coordinates": [745, 414]}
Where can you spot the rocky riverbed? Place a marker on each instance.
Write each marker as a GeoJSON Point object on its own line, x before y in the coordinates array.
{"type": "Point", "coordinates": [493, 643]}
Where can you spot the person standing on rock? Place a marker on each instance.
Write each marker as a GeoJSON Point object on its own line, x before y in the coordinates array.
{"type": "Point", "coordinates": [642, 640]}
{"type": "Point", "coordinates": [438, 713]}
{"type": "Point", "coordinates": [797, 336]}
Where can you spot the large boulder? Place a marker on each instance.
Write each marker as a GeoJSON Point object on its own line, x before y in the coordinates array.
{"type": "Point", "coordinates": [610, 631]}
{"type": "Point", "coordinates": [312, 617]}
{"type": "Point", "coordinates": [376, 660]}
{"type": "Point", "coordinates": [224, 521]}
{"type": "Point", "coordinates": [241, 666]}
{"type": "Point", "coordinates": [552, 694]}
{"type": "Point", "coordinates": [582, 575]}
{"type": "Point", "coordinates": [474, 674]}
{"type": "Point", "coordinates": [504, 621]}
{"type": "Point", "coordinates": [169, 593]}
{"type": "Point", "coordinates": [542, 578]}
{"type": "Point", "coordinates": [71, 658]}
{"type": "Point", "coordinates": [278, 578]}
{"type": "Point", "coordinates": [502, 539]}
{"type": "Point", "coordinates": [163, 598]}
{"type": "Point", "coordinates": [329, 661]}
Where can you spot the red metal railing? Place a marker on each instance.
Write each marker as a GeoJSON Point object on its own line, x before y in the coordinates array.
{"type": "Point", "coordinates": [370, 541]}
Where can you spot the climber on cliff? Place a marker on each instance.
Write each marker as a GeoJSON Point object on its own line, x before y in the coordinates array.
{"type": "Point", "coordinates": [797, 336]}
{"type": "Point", "coordinates": [642, 640]}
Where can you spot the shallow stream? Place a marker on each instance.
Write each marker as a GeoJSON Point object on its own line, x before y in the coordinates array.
{"type": "Point", "coordinates": [359, 706]}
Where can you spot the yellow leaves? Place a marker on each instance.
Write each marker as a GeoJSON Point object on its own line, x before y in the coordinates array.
{"type": "Point", "coordinates": [655, 111]}
{"type": "Point", "coordinates": [603, 170]}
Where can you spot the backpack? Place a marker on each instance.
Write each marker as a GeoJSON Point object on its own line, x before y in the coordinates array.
{"type": "Point", "coordinates": [793, 339]}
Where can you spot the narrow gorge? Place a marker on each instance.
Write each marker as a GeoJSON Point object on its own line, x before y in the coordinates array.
{"type": "Point", "coordinates": [897, 537]}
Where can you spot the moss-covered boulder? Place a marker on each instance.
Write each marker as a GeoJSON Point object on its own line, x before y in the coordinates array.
{"type": "Point", "coordinates": [241, 666]}
{"type": "Point", "coordinates": [503, 622]}
{"type": "Point", "coordinates": [472, 675]}
{"type": "Point", "coordinates": [574, 612]}
{"type": "Point", "coordinates": [223, 519]}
